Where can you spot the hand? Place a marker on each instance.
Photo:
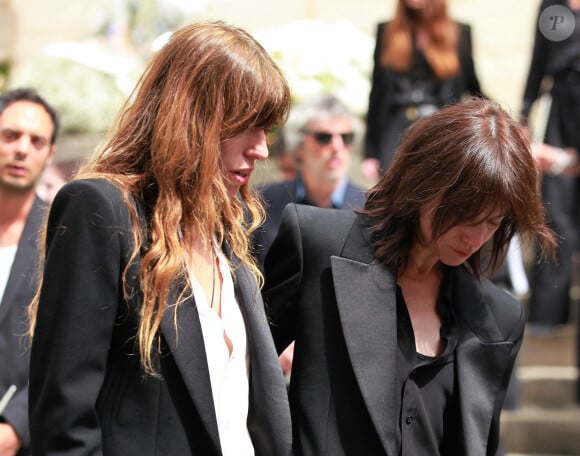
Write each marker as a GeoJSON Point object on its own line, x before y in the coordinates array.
{"type": "Point", "coordinates": [573, 169]}
{"type": "Point", "coordinates": [9, 441]}
{"type": "Point", "coordinates": [286, 358]}
{"type": "Point", "coordinates": [370, 168]}
{"type": "Point", "coordinates": [544, 156]}
{"type": "Point", "coordinates": [554, 160]}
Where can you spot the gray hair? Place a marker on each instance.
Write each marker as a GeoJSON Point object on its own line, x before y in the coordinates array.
{"type": "Point", "coordinates": [313, 109]}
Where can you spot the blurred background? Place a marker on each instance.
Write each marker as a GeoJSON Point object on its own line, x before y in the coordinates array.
{"type": "Point", "coordinates": [85, 56]}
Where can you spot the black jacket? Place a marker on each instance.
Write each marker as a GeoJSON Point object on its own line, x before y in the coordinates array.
{"type": "Point", "coordinates": [88, 393]}
{"type": "Point", "coordinates": [325, 290]}
{"type": "Point", "coordinates": [14, 346]}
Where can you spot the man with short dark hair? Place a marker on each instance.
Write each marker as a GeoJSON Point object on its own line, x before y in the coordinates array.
{"type": "Point", "coordinates": [28, 132]}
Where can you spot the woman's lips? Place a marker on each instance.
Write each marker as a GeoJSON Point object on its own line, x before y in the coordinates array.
{"type": "Point", "coordinates": [462, 253]}
{"type": "Point", "coordinates": [241, 177]}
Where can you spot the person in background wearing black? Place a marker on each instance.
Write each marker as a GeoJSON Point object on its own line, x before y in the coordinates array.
{"type": "Point", "coordinates": [422, 61]}
{"type": "Point", "coordinates": [558, 60]}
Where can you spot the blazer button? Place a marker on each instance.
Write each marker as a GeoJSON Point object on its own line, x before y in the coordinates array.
{"type": "Point", "coordinates": [409, 419]}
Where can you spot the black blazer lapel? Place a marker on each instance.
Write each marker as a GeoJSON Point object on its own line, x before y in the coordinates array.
{"type": "Point", "coordinates": [478, 362]}
{"type": "Point", "coordinates": [181, 329]}
{"type": "Point", "coordinates": [366, 301]}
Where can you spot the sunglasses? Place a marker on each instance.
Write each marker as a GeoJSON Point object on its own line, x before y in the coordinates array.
{"type": "Point", "coordinates": [324, 138]}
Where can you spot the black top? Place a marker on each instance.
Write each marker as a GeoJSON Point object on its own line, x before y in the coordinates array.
{"type": "Point", "coordinates": [420, 85]}
{"type": "Point", "coordinates": [429, 411]}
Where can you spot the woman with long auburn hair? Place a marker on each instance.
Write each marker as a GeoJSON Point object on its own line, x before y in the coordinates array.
{"type": "Point", "coordinates": [401, 343]}
{"type": "Point", "coordinates": [422, 61]}
{"type": "Point", "coordinates": [148, 331]}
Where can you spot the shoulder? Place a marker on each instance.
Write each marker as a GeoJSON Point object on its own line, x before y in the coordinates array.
{"type": "Point", "coordinates": [381, 27]}
{"type": "Point", "coordinates": [277, 190]}
{"type": "Point", "coordinates": [464, 31]}
{"type": "Point", "coordinates": [491, 313]}
{"type": "Point", "coordinates": [89, 187]}
{"type": "Point", "coordinates": [319, 223]}
{"type": "Point", "coordinates": [463, 27]}
{"type": "Point", "coordinates": [310, 234]}
{"type": "Point", "coordinates": [90, 193]}
{"type": "Point", "coordinates": [507, 311]}
{"type": "Point", "coordinates": [96, 202]}
{"type": "Point", "coordinates": [312, 213]}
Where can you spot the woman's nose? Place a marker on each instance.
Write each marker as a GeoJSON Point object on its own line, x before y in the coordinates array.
{"type": "Point", "coordinates": [475, 236]}
{"type": "Point", "coordinates": [259, 144]}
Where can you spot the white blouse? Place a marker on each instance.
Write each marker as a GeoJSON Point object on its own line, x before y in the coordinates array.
{"type": "Point", "coordinates": [228, 373]}
{"type": "Point", "coordinates": [7, 255]}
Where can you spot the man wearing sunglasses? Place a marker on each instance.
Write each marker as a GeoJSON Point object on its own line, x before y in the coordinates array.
{"type": "Point", "coordinates": [319, 135]}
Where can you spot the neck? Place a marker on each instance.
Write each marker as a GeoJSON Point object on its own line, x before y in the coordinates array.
{"type": "Point", "coordinates": [421, 263]}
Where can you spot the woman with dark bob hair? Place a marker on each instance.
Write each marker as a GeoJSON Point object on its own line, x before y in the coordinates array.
{"type": "Point", "coordinates": [149, 335]}
{"type": "Point", "coordinates": [402, 346]}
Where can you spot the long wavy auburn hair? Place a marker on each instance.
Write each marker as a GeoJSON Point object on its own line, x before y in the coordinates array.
{"type": "Point", "coordinates": [209, 83]}
{"type": "Point", "coordinates": [440, 49]}
{"type": "Point", "coordinates": [470, 159]}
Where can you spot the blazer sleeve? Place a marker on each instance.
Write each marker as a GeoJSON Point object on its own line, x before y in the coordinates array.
{"type": "Point", "coordinates": [86, 247]}
{"type": "Point", "coordinates": [283, 277]}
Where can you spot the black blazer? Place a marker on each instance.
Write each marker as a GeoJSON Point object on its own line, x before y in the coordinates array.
{"type": "Point", "coordinates": [88, 394]}
{"type": "Point", "coordinates": [276, 196]}
{"type": "Point", "coordinates": [325, 291]}
{"type": "Point", "coordinates": [385, 119]}
{"type": "Point", "coordinates": [14, 353]}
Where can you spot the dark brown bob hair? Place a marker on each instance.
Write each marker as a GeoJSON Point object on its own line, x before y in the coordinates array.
{"type": "Point", "coordinates": [471, 158]}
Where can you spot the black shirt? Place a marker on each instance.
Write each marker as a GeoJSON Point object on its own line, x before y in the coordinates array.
{"type": "Point", "coordinates": [428, 404]}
